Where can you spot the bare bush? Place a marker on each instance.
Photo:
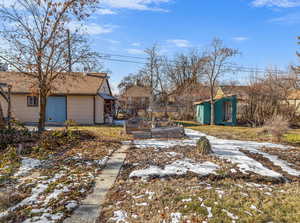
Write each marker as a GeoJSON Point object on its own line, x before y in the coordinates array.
{"type": "Point", "coordinates": [203, 146]}
{"type": "Point", "coordinates": [276, 127]}
{"type": "Point", "coordinates": [268, 96]}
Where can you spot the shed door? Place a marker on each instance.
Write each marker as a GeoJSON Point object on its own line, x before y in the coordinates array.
{"type": "Point", "coordinates": [227, 111]}
{"type": "Point", "coordinates": [200, 114]}
{"type": "Point", "coordinates": [56, 110]}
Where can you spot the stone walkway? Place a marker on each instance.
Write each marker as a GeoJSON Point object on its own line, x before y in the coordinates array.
{"type": "Point", "coordinates": [90, 208]}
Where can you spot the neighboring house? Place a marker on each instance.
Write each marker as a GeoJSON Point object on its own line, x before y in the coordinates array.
{"type": "Point", "coordinates": [85, 98]}
{"type": "Point", "coordinates": [240, 91]}
{"type": "Point", "coordinates": [225, 111]}
{"type": "Point", "coordinates": [294, 99]}
{"type": "Point", "coordinates": [135, 99]}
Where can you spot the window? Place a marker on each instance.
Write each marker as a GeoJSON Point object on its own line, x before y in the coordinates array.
{"type": "Point", "coordinates": [227, 111]}
{"type": "Point", "coordinates": [32, 101]}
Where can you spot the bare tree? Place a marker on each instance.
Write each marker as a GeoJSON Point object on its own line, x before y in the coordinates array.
{"type": "Point", "coordinates": [40, 45]}
{"type": "Point", "coordinates": [153, 74]}
{"type": "Point", "coordinates": [132, 80]}
{"type": "Point", "coordinates": [184, 70]}
{"type": "Point", "coordinates": [184, 74]}
{"type": "Point", "coordinates": [216, 62]}
{"type": "Point", "coordinates": [268, 97]}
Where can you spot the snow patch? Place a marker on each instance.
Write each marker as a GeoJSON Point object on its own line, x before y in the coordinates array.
{"type": "Point", "coordinates": [141, 204]}
{"type": "Point", "coordinates": [232, 216]}
{"type": "Point", "coordinates": [179, 167]}
{"type": "Point", "coordinates": [119, 217]}
{"type": "Point", "coordinates": [45, 218]}
{"type": "Point", "coordinates": [150, 194]}
{"type": "Point", "coordinates": [102, 161]}
{"type": "Point", "coordinates": [175, 217]}
{"type": "Point", "coordinates": [285, 166]}
{"type": "Point", "coordinates": [210, 215]}
{"type": "Point", "coordinates": [35, 193]}
{"type": "Point", "coordinates": [225, 149]}
{"type": "Point", "coordinates": [27, 165]}
{"type": "Point", "coordinates": [71, 205]}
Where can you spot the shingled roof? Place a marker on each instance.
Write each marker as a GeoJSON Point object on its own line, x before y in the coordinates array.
{"type": "Point", "coordinates": [294, 95]}
{"type": "Point", "coordinates": [76, 83]}
{"type": "Point", "coordinates": [239, 90]}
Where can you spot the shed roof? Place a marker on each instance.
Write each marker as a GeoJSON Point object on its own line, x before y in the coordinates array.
{"type": "Point", "coordinates": [208, 100]}
{"type": "Point", "coordinates": [76, 83]}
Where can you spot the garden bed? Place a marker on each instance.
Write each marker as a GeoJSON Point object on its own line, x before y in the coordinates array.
{"type": "Point", "coordinates": [50, 179]}
{"type": "Point", "coordinates": [167, 181]}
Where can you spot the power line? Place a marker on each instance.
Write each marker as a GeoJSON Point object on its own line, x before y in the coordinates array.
{"type": "Point", "coordinates": [234, 68]}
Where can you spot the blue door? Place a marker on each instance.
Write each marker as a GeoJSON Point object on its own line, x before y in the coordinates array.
{"type": "Point", "coordinates": [56, 110]}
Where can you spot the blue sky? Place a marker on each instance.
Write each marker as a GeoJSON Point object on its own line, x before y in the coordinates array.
{"type": "Point", "coordinates": [264, 31]}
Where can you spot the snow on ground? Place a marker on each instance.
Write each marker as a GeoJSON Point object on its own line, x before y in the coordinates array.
{"type": "Point", "coordinates": [210, 215]}
{"type": "Point", "coordinates": [232, 216]}
{"type": "Point", "coordinates": [227, 149]}
{"type": "Point", "coordinates": [175, 217]}
{"type": "Point", "coordinates": [119, 217]}
{"type": "Point", "coordinates": [179, 167]}
{"type": "Point", "coordinates": [34, 198]}
{"type": "Point", "coordinates": [102, 161]}
{"type": "Point", "coordinates": [27, 165]}
{"type": "Point", "coordinates": [285, 166]}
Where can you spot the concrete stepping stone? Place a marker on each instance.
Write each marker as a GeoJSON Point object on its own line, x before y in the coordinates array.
{"type": "Point", "coordinates": [90, 208]}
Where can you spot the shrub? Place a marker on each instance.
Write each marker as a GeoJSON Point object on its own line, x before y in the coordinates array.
{"type": "Point", "coordinates": [276, 127]}
{"type": "Point", "coordinates": [70, 123]}
{"type": "Point", "coordinates": [14, 136]}
{"type": "Point", "coordinates": [9, 156]}
{"type": "Point", "coordinates": [203, 146]}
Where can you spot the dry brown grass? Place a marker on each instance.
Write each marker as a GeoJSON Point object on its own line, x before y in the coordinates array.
{"type": "Point", "coordinates": [276, 127]}
{"type": "Point", "coordinates": [292, 137]}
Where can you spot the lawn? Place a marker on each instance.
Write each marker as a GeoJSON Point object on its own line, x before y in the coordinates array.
{"type": "Point", "coordinates": [168, 181]}
{"type": "Point", "coordinates": [242, 133]}
{"type": "Point", "coordinates": [47, 181]}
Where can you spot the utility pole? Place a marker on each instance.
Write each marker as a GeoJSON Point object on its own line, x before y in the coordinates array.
{"type": "Point", "coordinates": [69, 51]}
{"type": "Point", "coordinates": [9, 106]}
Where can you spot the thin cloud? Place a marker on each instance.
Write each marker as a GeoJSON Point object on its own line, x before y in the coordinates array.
{"type": "Point", "coordinates": [240, 38]}
{"type": "Point", "coordinates": [143, 5]}
{"type": "Point", "coordinates": [112, 41]}
{"type": "Point", "coordinates": [90, 28]}
{"type": "Point", "coordinates": [289, 19]}
{"type": "Point", "coordinates": [135, 51]}
{"type": "Point", "coordinates": [276, 3]}
{"type": "Point", "coordinates": [136, 44]}
{"type": "Point", "coordinates": [181, 43]}
{"type": "Point", "coordinates": [106, 12]}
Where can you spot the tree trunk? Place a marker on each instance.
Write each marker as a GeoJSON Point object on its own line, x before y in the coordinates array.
{"type": "Point", "coordinates": [42, 118]}
{"type": "Point", "coordinates": [212, 112]}
{"type": "Point", "coordinates": [2, 121]}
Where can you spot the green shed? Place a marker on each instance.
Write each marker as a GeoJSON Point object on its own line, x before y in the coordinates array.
{"type": "Point", "coordinates": [225, 111]}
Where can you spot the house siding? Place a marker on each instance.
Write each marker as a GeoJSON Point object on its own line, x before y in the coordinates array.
{"type": "Point", "coordinates": [99, 110]}
{"type": "Point", "coordinates": [296, 103]}
{"type": "Point", "coordinates": [20, 110]}
{"type": "Point", "coordinates": [80, 109]}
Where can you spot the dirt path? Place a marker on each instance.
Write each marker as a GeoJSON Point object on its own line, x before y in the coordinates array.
{"type": "Point", "coordinates": [90, 208]}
